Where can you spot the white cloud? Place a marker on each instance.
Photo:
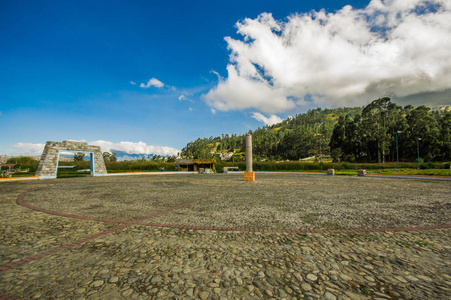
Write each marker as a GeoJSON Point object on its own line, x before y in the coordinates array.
{"type": "Point", "coordinates": [273, 119]}
{"type": "Point", "coordinates": [126, 157]}
{"type": "Point", "coordinates": [152, 82]}
{"type": "Point", "coordinates": [135, 148]}
{"type": "Point", "coordinates": [132, 82]}
{"type": "Point", "coordinates": [185, 98]}
{"type": "Point", "coordinates": [27, 149]}
{"type": "Point", "coordinates": [350, 57]}
{"type": "Point", "coordinates": [106, 146]}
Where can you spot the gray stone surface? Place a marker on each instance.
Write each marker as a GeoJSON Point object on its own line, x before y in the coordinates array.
{"type": "Point", "coordinates": [149, 262]}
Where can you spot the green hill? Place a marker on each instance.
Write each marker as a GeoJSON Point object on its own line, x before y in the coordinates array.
{"type": "Point", "coordinates": [381, 131]}
{"type": "Point", "coordinates": [294, 138]}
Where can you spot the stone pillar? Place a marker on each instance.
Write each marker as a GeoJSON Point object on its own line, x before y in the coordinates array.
{"type": "Point", "coordinates": [49, 161]}
{"type": "Point", "coordinates": [249, 175]}
{"type": "Point", "coordinates": [248, 152]}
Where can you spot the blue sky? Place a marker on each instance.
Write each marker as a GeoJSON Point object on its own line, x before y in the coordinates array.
{"type": "Point", "coordinates": [166, 73]}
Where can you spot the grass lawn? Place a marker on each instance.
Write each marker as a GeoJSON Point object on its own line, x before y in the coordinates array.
{"type": "Point", "coordinates": [406, 172]}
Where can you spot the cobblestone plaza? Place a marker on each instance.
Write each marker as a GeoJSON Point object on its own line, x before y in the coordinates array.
{"type": "Point", "coordinates": [217, 237]}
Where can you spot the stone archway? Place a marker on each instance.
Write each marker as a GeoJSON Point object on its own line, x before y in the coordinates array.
{"type": "Point", "coordinates": [48, 164]}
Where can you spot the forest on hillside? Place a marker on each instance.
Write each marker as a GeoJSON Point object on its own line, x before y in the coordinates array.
{"type": "Point", "coordinates": [358, 134]}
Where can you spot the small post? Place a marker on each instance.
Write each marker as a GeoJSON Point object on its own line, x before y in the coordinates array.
{"type": "Point", "coordinates": [249, 175]}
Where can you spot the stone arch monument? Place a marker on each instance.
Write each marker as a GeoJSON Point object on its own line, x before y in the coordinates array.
{"type": "Point", "coordinates": [48, 165]}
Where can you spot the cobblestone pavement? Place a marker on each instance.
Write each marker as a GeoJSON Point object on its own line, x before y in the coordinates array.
{"type": "Point", "coordinates": [45, 256]}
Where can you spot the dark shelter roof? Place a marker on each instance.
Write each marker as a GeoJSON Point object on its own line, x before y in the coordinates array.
{"type": "Point", "coordinates": [194, 161]}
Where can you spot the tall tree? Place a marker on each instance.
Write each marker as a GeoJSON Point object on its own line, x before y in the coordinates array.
{"type": "Point", "coordinates": [346, 138]}
{"type": "Point", "coordinates": [445, 137]}
{"type": "Point", "coordinates": [422, 124]}
{"type": "Point", "coordinates": [79, 156]}
{"type": "Point", "coordinates": [375, 122]}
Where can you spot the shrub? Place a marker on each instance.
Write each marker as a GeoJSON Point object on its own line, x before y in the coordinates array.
{"type": "Point", "coordinates": [349, 158]}
{"type": "Point", "coordinates": [24, 162]}
{"type": "Point", "coordinates": [428, 165]}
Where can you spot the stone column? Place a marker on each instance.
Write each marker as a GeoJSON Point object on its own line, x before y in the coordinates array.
{"type": "Point", "coordinates": [248, 152]}
{"type": "Point", "coordinates": [249, 175]}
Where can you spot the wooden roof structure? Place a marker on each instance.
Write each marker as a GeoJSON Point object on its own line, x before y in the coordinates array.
{"type": "Point", "coordinates": [194, 164]}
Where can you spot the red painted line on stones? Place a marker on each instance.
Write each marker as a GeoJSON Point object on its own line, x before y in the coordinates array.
{"type": "Point", "coordinates": [20, 201]}
{"type": "Point", "coordinates": [5, 297]}
{"type": "Point", "coordinates": [63, 247]}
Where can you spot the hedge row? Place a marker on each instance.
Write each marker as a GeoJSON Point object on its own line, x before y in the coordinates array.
{"type": "Point", "coordinates": [137, 166]}
{"type": "Point", "coordinates": [309, 166]}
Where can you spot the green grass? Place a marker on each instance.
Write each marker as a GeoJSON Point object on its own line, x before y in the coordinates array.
{"type": "Point", "coordinates": [23, 174]}
{"type": "Point", "coordinates": [405, 172]}
{"type": "Point", "coordinates": [415, 172]}
{"type": "Point", "coordinates": [348, 172]}
{"type": "Point", "coordinates": [342, 168]}
{"type": "Point", "coordinates": [70, 175]}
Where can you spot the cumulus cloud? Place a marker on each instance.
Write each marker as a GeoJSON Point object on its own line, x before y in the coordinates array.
{"type": "Point", "coordinates": [27, 149]}
{"type": "Point", "coordinates": [135, 148]}
{"type": "Point", "coordinates": [350, 57]}
{"type": "Point", "coordinates": [152, 82]}
{"type": "Point", "coordinates": [106, 146]}
{"type": "Point", "coordinates": [273, 119]}
{"type": "Point", "coordinates": [132, 82]}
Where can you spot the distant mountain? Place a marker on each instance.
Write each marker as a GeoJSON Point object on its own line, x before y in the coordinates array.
{"type": "Point", "coordinates": [121, 155]}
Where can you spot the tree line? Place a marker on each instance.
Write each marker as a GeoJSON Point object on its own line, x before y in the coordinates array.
{"type": "Point", "coordinates": [385, 131]}
{"type": "Point", "coordinates": [357, 134]}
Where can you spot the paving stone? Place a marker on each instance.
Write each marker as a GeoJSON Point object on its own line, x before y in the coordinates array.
{"type": "Point", "coordinates": [345, 277]}
{"type": "Point", "coordinates": [140, 261]}
{"type": "Point", "coordinates": [312, 277]}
